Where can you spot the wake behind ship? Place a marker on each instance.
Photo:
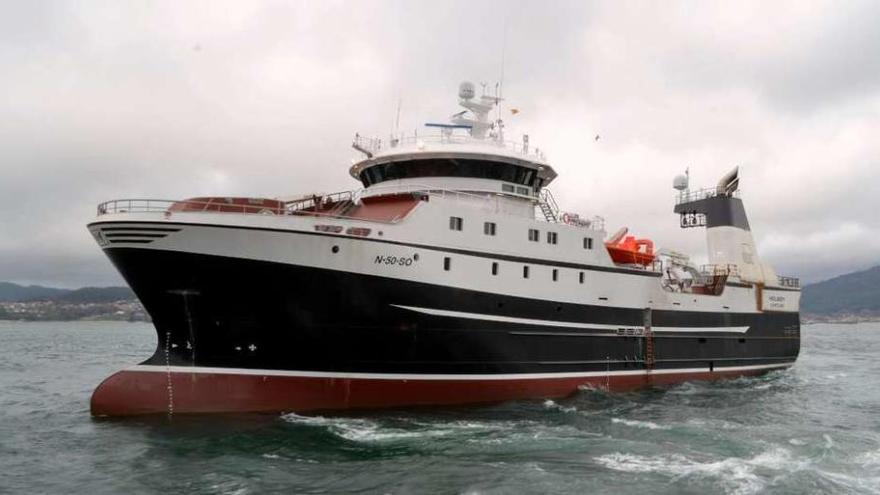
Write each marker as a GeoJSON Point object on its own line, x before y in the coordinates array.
{"type": "Point", "coordinates": [451, 277]}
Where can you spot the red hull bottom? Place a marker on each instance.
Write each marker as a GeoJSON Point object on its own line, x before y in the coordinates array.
{"type": "Point", "coordinates": [157, 390]}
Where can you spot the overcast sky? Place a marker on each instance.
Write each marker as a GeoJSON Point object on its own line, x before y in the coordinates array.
{"type": "Point", "coordinates": [103, 100]}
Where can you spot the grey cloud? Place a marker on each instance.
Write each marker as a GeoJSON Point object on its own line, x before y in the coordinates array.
{"type": "Point", "coordinates": [105, 100]}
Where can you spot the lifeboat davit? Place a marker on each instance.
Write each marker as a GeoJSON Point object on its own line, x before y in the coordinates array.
{"type": "Point", "coordinates": [629, 250]}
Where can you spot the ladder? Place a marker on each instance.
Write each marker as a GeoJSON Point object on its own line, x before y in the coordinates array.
{"type": "Point", "coordinates": [548, 206]}
{"type": "Point", "coordinates": [649, 341]}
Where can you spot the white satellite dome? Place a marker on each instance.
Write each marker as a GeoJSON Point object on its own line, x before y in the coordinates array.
{"type": "Point", "coordinates": [680, 182]}
{"type": "Point", "coordinates": [466, 90]}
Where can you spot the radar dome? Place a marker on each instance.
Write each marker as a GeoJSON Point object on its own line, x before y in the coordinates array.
{"type": "Point", "coordinates": [680, 182]}
{"type": "Point", "coordinates": [466, 90]}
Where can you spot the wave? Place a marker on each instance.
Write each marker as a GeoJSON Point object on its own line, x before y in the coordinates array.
{"type": "Point", "coordinates": [639, 424]}
{"type": "Point", "coordinates": [869, 459]}
{"type": "Point", "coordinates": [553, 405]}
{"type": "Point", "coordinates": [372, 430]}
{"type": "Point", "coordinates": [737, 474]}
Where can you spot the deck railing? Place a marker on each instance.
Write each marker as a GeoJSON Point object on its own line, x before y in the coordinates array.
{"type": "Point", "coordinates": [329, 205]}
{"type": "Point", "coordinates": [377, 145]}
{"type": "Point", "coordinates": [709, 192]}
{"type": "Point", "coordinates": [723, 269]}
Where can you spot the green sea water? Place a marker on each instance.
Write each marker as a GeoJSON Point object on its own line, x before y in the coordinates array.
{"type": "Point", "coordinates": [812, 429]}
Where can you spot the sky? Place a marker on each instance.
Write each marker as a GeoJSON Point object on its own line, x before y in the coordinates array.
{"type": "Point", "coordinates": [103, 100]}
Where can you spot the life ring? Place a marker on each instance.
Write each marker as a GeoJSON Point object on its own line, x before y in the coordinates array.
{"type": "Point", "coordinates": [566, 218]}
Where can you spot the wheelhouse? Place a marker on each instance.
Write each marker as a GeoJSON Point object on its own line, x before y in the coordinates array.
{"type": "Point", "coordinates": [451, 166]}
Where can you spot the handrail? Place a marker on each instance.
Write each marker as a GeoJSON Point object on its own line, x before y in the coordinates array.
{"type": "Point", "coordinates": [723, 269]}
{"type": "Point", "coordinates": [423, 189]}
{"type": "Point", "coordinates": [792, 282]}
{"type": "Point", "coordinates": [376, 145]}
{"type": "Point", "coordinates": [548, 206]}
{"type": "Point", "coordinates": [709, 192]}
{"type": "Point", "coordinates": [298, 206]}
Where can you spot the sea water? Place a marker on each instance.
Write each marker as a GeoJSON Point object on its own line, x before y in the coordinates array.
{"type": "Point", "coordinates": [812, 429]}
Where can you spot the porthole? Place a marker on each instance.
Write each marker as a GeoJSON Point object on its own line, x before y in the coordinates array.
{"type": "Point", "coordinates": [335, 249]}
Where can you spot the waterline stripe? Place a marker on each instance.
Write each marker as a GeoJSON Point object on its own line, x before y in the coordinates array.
{"type": "Point", "coordinates": [565, 324]}
{"type": "Point", "coordinates": [450, 376]}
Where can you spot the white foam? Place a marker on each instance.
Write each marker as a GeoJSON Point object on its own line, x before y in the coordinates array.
{"type": "Point", "coordinates": [549, 404]}
{"type": "Point", "coordinates": [354, 429]}
{"type": "Point", "coordinates": [639, 424]}
{"type": "Point", "coordinates": [589, 387]}
{"type": "Point", "coordinates": [367, 430]}
{"type": "Point", "coordinates": [714, 424]}
{"type": "Point", "coordinates": [869, 459]}
{"type": "Point", "coordinates": [828, 442]}
{"type": "Point", "coordinates": [736, 473]}
{"type": "Point", "coordinates": [868, 484]}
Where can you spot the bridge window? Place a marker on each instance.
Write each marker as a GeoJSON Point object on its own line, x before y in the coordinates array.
{"type": "Point", "coordinates": [450, 167]}
{"type": "Point", "coordinates": [455, 223]}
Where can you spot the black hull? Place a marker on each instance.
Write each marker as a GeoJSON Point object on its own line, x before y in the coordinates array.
{"type": "Point", "coordinates": [220, 312]}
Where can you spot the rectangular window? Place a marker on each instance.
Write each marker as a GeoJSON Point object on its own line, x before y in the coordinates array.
{"type": "Point", "coordinates": [588, 243]}
{"type": "Point", "coordinates": [507, 188]}
{"type": "Point", "coordinates": [534, 235]}
{"type": "Point", "coordinates": [494, 268]}
{"type": "Point", "coordinates": [522, 190]}
{"type": "Point", "coordinates": [555, 274]}
{"type": "Point", "coordinates": [581, 277]}
{"type": "Point", "coordinates": [526, 271]}
{"type": "Point", "coordinates": [552, 238]}
{"type": "Point", "coordinates": [447, 263]}
{"type": "Point", "coordinates": [455, 223]}
{"type": "Point", "coordinates": [489, 228]}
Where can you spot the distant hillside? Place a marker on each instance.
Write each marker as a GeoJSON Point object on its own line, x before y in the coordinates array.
{"type": "Point", "coordinates": [853, 293]}
{"type": "Point", "coordinates": [97, 295]}
{"type": "Point", "coordinates": [10, 292]}
{"type": "Point", "coordinates": [15, 292]}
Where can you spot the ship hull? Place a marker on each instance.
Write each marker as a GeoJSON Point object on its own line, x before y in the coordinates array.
{"type": "Point", "coordinates": [148, 389]}
{"type": "Point", "coordinates": [237, 334]}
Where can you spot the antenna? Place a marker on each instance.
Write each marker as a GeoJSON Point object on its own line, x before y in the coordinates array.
{"type": "Point", "coordinates": [499, 90]}
{"type": "Point", "coordinates": [397, 119]}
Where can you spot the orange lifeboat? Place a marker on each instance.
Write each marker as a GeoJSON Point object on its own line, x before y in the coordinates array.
{"type": "Point", "coordinates": [630, 250]}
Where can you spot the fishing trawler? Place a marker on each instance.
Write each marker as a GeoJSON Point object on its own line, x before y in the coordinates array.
{"type": "Point", "coordinates": [450, 277]}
